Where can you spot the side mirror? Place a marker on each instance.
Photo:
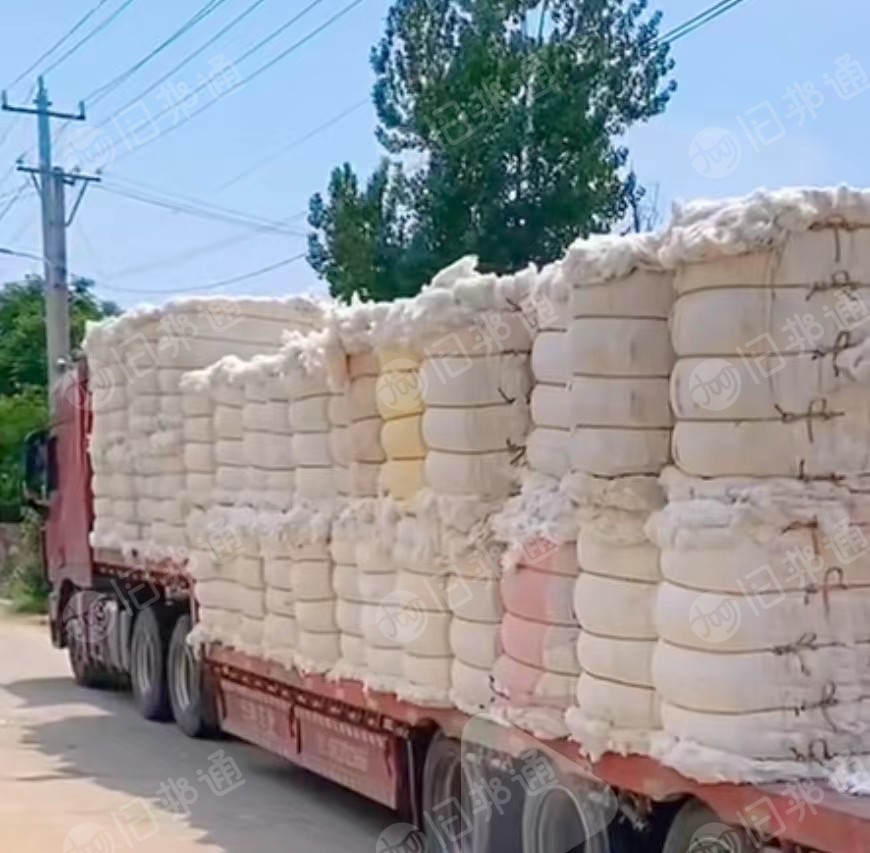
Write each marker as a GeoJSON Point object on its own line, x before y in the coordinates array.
{"type": "Point", "coordinates": [38, 470]}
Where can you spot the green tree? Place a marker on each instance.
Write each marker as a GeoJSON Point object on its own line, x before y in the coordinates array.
{"type": "Point", "coordinates": [23, 369]}
{"type": "Point", "coordinates": [516, 110]}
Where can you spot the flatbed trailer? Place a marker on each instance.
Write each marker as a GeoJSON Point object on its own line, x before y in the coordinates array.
{"type": "Point", "coordinates": [125, 623]}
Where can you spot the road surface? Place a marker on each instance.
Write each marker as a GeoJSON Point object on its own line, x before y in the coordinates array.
{"type": "Point", "coordinates": [81, 772]}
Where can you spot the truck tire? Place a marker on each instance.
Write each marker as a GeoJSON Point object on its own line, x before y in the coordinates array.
{"type": "Point", "coordinates": [86, 673]}
{"type": "Point", "coordinates": [148, 651]}
{"type": "Point", "coordinates": [190, 691]}
{"type": "Point", "coordinates": [447, 814]}
{"type": "Point", "coordinates": [697, 829]}
{"type": "Point", "coordinates": [566, 817]}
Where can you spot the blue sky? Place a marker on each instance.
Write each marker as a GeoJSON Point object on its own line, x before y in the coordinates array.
{"type": "Point", "coordinates": [731, 127]}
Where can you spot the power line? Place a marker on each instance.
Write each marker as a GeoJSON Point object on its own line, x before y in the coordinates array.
{"type": "Point", "coordinates": [237, 20]}
{"type": "Point", "coordinates": [700, 20]}
{"type": "Point", "coordinates": [256, 73]}
{"type": "Point", "coordinates": [72, 31]}
{"type": "Point", "coordinates": [214, 284]}
{"type": "Point", "coordinates": [95, 31]}
{"type": "Point", "coordinates": [269, 158]}
{"type": "Point", "coordinates": [182, 257]}
{"type": "Point", "coordinates": [202, 213]}
{"type": "Point", "coordinates": [13, 201]}
{"type": "Point", "coordinates": [200, 15]}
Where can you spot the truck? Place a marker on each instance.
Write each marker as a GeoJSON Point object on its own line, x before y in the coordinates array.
{"type": "Point", "coordinates": [458, 784]}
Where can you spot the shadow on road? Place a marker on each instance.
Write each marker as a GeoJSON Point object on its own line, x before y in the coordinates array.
{"type": "Point", "coordinates": [278, 807]}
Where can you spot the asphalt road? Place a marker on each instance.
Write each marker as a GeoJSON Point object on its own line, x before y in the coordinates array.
{"type": "Point", "coordinates": [81, 772]}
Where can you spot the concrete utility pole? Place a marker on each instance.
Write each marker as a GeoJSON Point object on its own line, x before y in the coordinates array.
{"type": "Point", "coordinates": [50, 185]}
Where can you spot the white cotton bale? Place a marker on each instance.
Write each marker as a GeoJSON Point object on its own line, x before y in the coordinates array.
{"type": "Point", "coordinates": [245, 570]}
{"type": "Point", "coordinates": [143, 406]}
{"type": "Point", "coordinates": [197, 405]}
{"type": "Point", "coordinates": [383, 662]}
{"type": "Point", "coordinates": [623, 706]}
{"type": "Point", "coordinates": [201, 565]}
{"type": "Point", "coordinates": [169, 535]}
{"type": "Point", "coordinates": [171, 511]}
{"type": "Point", "coordinates": [311, 580]}
{"type": "Point", "coordinates": [314, 482]}
{"type": "Point", "coordinates": [219, 594]}
{"type": "Point", "coordinates": [613, 452]}
{"type": "Point", "coordinates": [547, 451]}
{"type": "Point", "coordinates": [428, 592]}
{"type": "Point", "coordinates": [310, 550]}
{"type": "Point", "coordinates": [276, 573]}
{"type": "Point", "coordinates": [643, 293]}
{"type": "Point", "coordinates": [231, 478]}
{"type": "Point", "coordinates": [486, 475]}
{"type": "Point", "coordinates": [375, 586]}
{"type": "Point", "coordinates": [199, 488]}
{"type": "Point", "coordinates": [551, 648]}
{"type": "Point", "coordinates": [363, 479]}
{"type": "Point", "coordinates": [310, 449]}
{"type": "Point", "coordinates": [718, 622]}
{"type": "Point", "coordinates": [477, 644]}
{"type": "Point", "coordinates": [431, 671]}
{"type": "Point", "coordinates": [624, 661]}
{"type": "Point", "coordinates": [338, 409]}
{"type": "Point", "coordinates": [362, 364]}
{"type": "Point", "coordinates": [316, 616]}
{"type": "Point", "coordinates": [251, 602]}
{"type": "Point", "coordinates": [199, 429]}
{"type": "Point", "coordinates": [430, 636]}
{"type": "Point", "coordinates": [615, 607]}
{"type": "Point", "coordinates": [757, 681]}
{"type": "Point", "coordinates": [741, 563]}
{"type": "Point", "coordinates": [349, 616]}
{"type": "Point", "coordinates": [279, 632]}
{"type": "Point", "coordinates": [200, 457]}
{"type": "Point", "coordinates": [761, 320]}
{"type": "Point", "coordinates": [353, 650]}
{"type": "Point", "coordinates": [470, 686]}
{"type": "Point", "coordinates": [170, 405]}
{"type": "Point", "coordinates": [343, 553]}
{"type": "Point", "coordinates": [319, 647]}
{"type": "Point", "coordinates": [475, 599]}
{"type": "Point", "coordinates": [551, 406]}
{"type": "Point", "coordinates": [274, 417]}
{"type": "Point", "coordinates": [310, 414]}
{"type": "Point", "coordinates": [838, 446]}
{"type": "Point", "coordinates": [280, 602]}
{"type": "Point", "coordinates": [619, 347]}
{"type": "Point", "coordinates": [629, 562]}
{"type": "Point", "coordinates": [475, 430]}
{"type": "Point", "coordinates": [230, 453]}
{"type": "Point", "coordinates": [169, 380]}
{"type": "Point", "coordinates": [362, 402]}
{"type": "Point", "coordinates": [638, 402]}
{"type": "Point", "coordinates": [773, 735]}
{"type": "Point", "coordinates": [228, 423]}
{"type": "Point", "coordinates": [492, 332]}
{"type": "Point", "coordinates": [364, 437]}
{"type": "Point", "coordinates": [550, 362]}
{"type": "Point", "coordinates": [457, 381]}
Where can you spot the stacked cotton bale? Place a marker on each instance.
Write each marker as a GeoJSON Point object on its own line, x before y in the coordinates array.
{"type": "Point", "coordinates": [476, 385]}
{"type": "Point", "coordinates": [621, 359]}
{"type": "Point", "coordinates": [115, 517]}
{"type": "Point", "coordinates": [151, 349]}
{"type": "Point", "coordinates": [763, 611]}
{"type": "Point", "coordinates": [311, 565]}
{"type": "Point", "coordinates": [536, 676]}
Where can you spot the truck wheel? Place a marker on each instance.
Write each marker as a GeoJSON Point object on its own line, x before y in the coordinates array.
{"type": "Point", "coordinates": [190, 693]}
{"type": "Point", "coordinates": [447, 813]}
{"type": "Point", "coordinates": [148, 664]}
{"type": "Point", "coordinates": [85, 672]}
{"type": "Point", "coordinates": [569, 816]}
{"type": "Point", "coordinates": [697, 829]}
